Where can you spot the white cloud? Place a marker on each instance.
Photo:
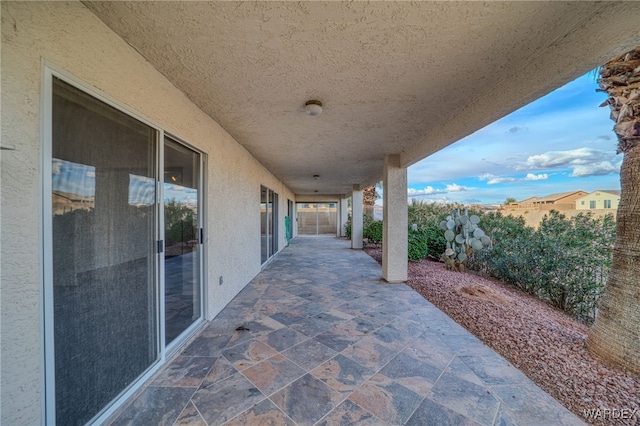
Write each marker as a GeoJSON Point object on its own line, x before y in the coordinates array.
{"type": "Point", "coordinates": [486, 176]}
{"type": "Point", "coordinates": [582, 162]}
{"type": "Point", "coordinates": [541, 176]}
{"type": "Point", "coordinates": [456, 188]}
{"type": "Point", "coordinates": [597, 169]}
{"type": "Point", "coordinates": [428, 190]}
{"type": "Point", "coordinates": [560, 159]}
{"type": "Point", "coordinates": [493, 179]}
{"type": "Point", "coordinates": [496, 180]}
{"type": "Point", "coordinates": [173, 187]}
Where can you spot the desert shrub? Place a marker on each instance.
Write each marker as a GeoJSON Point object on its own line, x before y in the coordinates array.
{"type": "Point", "coordinates": [418, 244]}
{"type": "Point", "coordinates": [424, 214]}
{"type": "Point", "coordinates": [566, 261]}
{"type": "Point", "coordinates": [347, 227]}
{"type": "Point", "coordinates": [180, 223]}
{"type": "Point", "coordinates": [373, 231]}
{"type": "Point", "coordinates": [436, 242]}
{"type": "Point", "coordinates": [574, 258]}
{"type": "Point", "coordinates": [509, 256]}
{"type": "Point", "coordinates": [427, 217]}
{"type": "Point", "coordinates": [371, 228]}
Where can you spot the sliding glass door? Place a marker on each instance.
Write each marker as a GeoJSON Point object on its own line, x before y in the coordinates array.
{"type": "Point", "coordinates": [268, 223]}
{"type": "Point", "coordinates": [124, 264]}
{"type": "Point", "coordinates": [317, 218]}
{"type": "Point", "coordinates": [104, 169]}
{"type": "Point", "coordinates": [182, 231]}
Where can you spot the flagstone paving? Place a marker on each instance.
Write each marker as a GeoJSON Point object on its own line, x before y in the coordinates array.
{"type": "Point", "coordinates": [318, 338]}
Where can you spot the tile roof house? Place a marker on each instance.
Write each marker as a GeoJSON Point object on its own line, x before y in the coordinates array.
{"type": "Point", "coordinates": [557, 201]}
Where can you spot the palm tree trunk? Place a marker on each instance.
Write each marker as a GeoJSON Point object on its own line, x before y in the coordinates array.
{"type": "Point", "coordinates": [369, 197]}
{"type": "Point", "coordinates": [615, 335]}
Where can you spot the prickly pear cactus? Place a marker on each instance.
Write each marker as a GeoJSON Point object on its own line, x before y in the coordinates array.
{"type": "Point", "coordinates": [463, 236]}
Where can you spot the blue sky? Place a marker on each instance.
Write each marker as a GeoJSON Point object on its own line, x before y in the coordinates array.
{"type": "Point", "coordinates": [562, 142]}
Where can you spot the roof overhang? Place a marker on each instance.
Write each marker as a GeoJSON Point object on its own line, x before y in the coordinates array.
{"type": "Point", "coordinates": [405, 78]}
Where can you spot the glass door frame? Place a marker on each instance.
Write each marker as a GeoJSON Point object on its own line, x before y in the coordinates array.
{"type": "Point", "coordinates": [49, 72]}
{"type": "Point", "coordinates": [331, 204]}
{"type": "Point", "coordinates": [202, 240]}
{"type": "Point", "coordinates": [269, 220]}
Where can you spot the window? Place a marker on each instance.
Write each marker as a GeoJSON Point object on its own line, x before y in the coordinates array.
{"type": "Point", "coordinates": [592, 204]}
{"type": "Point", "coordinates": [582, 203]}
{"type": "Point", "coordinates": [607, 204]}
{"type": "Point", "coordinates": [268, 223]}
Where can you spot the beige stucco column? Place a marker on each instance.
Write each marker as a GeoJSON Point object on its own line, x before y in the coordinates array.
{"type": "Point", "coordinates": [395, 227]}
{"type": "Point", "coordinates": [356, 218]}
{"type": "Point", "coordinates": [344, 215]}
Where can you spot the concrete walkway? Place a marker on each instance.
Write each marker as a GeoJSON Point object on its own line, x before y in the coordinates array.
{"type": "Point", "coordinates": [318, 338]}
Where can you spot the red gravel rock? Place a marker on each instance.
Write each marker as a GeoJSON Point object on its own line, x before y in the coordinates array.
{"type": "Point", "coordinates": [544, 343]}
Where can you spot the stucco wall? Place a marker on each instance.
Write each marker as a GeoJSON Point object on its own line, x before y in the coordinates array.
{"type": "Point", "coordinates": [599, 198]}
{"type": "Point", "coordinates": [73, 39]}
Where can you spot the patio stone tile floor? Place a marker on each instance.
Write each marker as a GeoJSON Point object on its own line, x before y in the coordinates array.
{"type": "Point", "coordinates": [318, 338]}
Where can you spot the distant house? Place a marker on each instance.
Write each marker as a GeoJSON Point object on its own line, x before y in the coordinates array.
{"type": "Point", "coordinates": [559, 201]}
{"type": "Point", "coordinates": [600, 199]}
{"type": "Point", "coordinates": [529, 203]}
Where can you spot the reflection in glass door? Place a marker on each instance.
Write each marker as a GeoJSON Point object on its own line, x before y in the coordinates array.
{"type": "Point", "coordinates": [182, 254]}
{"type": "Point", "coordinates": [103, 233]}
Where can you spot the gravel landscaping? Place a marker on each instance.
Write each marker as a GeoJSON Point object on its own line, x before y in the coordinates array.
{"type": "Point", "coordinates": [544, 343]}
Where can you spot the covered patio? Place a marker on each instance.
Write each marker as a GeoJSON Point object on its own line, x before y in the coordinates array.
{"type": "Point", "coordinates": [319, 338]}
{"type": "Point", "coordinates": [126, 123]}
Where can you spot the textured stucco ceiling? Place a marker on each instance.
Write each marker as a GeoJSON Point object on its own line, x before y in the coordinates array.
{"type": "Point", "coordinates": [395, 78]}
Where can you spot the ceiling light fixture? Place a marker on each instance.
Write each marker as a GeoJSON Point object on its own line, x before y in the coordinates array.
{"type": "Point", "coordinates": [313, 107]}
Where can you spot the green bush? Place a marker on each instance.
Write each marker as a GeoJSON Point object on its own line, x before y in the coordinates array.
{"type": "Point", "coordinates": [347, 227]}
{"type": "Point", "coordinates": [418, 247]}
{"type": "Point", "coordinates": [436, 242]}
{"type": "Point", "coordinates": [425, 214]}
{"type": "Point", "coordinates": [566, 261]}
{"type": "Point", "coordinates": [180, 222]}
{"type": "Point", "coordinates": [510, 254]}
{"type": "Point", "coordinates": [373, 231]}
{"type": "Point", "coordinates": [427, 217]}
